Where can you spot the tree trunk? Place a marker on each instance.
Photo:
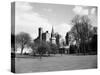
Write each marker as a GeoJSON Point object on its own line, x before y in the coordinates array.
{"type": "Point", "coordinates": [40, 55]}
{"type": "Point", "coordinates": [22, 49]}
{"type": "Point", "coordinates": [48, 54]}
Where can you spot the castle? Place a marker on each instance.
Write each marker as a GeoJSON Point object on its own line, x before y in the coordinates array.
{"type": "Point", "coordinates": [52, 37]}
{"type": "Point", "coordinates": [46, 36]}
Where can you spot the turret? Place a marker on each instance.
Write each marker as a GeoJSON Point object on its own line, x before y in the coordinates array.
{"type": "Point", "coordinates": [40, 33]}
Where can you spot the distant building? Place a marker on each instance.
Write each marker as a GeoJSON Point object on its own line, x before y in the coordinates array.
{"type": "Point", "coordinates": [61, 43]}
{"type": "Point", "coordinates": [53, 38]}
{"type": "Point", "coordinates": [46, 36]}
{"type": "Point", "coordinates": [40, 33]}
{"type": "Point", "coordinates": [67, 38]}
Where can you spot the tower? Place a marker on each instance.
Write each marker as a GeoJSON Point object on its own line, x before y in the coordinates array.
{"type": "Point", "coordinates": [53, 39]}
{"type": "Point", "coordinates": [40, 33]}
{"type": "Point", "coordinates": [67, 38]}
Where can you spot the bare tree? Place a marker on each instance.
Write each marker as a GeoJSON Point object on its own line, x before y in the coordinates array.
{"type": "Point", "coordinates": [58, 36]}
{"type": "Point", "coordinates": [43, 48]}
{"type": "Point", "coordinates": [22, 39]}
{"type": "Point", "coordinates": [81, 30]}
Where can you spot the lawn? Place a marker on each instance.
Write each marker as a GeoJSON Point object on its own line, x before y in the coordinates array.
{"type": "Point", "coordinates": [56, 63]}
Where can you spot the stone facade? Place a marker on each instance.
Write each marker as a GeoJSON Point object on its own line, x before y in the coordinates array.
{"type": "Point", "coordinates": [46, 36]}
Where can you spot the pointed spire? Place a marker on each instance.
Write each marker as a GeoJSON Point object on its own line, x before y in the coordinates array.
{"type": "Point", "coordinates": [53, 39]}
{"type": "Point", "coordinates": [52, 30]}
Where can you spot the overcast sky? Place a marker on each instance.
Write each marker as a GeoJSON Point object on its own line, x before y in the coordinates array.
{"type": "Point", "coordinates": [30, 16]}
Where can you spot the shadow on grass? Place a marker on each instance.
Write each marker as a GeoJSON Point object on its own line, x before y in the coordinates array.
{"type": "Point", "coordinates": [51, 55]}
{"type": "Point", "coordinates": [33, 56]}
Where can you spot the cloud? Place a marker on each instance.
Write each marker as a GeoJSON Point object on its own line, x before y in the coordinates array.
{"type": "Point", "coordinates": [47, 9]}
{"type": "Point", "coordinates": [93, 16]}
{"type": "Point", "coordinates": [79, 10]}
{"type": "Point", "coordinates": [90, 12]}
{"type": "Point", "coordinates": [62, 29]}
{"type": "Point", "coordinates": [93, 11]}
{"type": "Point", "coordinates": [23, 7]}
{"type": "Point", "coordinates": [26, 20]}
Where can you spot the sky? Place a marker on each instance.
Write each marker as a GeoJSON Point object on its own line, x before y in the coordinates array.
{"type": "Point", "coordinates": [30, 16]}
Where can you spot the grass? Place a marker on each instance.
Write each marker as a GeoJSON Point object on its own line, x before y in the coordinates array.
{"type": "Point", "coordinates": [55, 63]}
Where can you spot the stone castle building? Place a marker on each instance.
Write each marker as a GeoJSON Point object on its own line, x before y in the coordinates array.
{"type": "Point", "coordinates": [46, 36]}
{"type": "Point", "coordinates": [53, 38]}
